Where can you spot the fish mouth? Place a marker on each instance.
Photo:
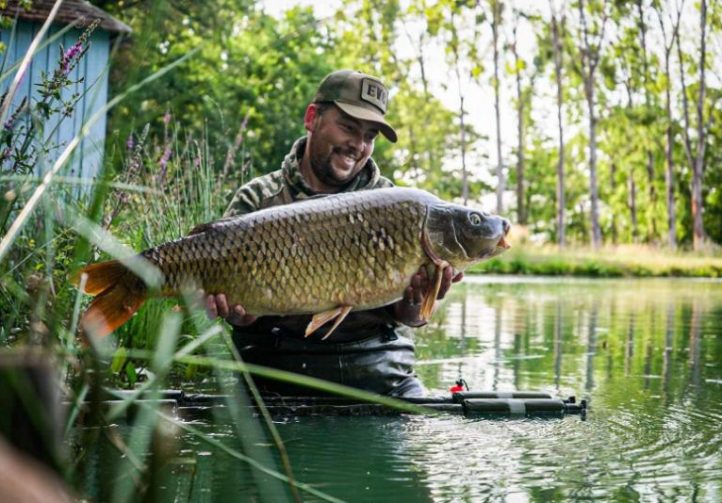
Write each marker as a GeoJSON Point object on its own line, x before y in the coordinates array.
{"type": "Point", "coordinates": [503, 244]}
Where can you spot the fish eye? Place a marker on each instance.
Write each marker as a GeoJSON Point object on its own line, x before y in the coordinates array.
{"type": "Point", "coordinates": [475, 219]}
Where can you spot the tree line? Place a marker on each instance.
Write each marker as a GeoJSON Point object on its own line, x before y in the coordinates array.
{"type": "Point", "coordinates": [615, 105]}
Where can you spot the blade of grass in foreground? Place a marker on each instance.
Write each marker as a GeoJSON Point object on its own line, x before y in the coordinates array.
{"type": "Point", "coordinates": [162, 360]}
{"type": "Point", "coordinates": [241, 457]}
{"type": "Point", "coordinates": [290, 377]}
{"type": "Point", "coordinates": [248, 429]}
{"type": "Point", "coordinates": [76, 180]}
{"type": "Point", "coordinates": [251, 437]}
{"type": "Point", "coordinates": [24, 214]}
{"type": "Point", "coordinates": [127, 401]}
{"type": "Point", "coordinates": [109, 244]}
{"type": "Point", "coordinates": [270, 427]}
{"type": "Point", "coordinates": [145, 425]}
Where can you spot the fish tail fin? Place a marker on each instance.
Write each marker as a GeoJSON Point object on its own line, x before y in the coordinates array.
{"type": "Point", "coordinates": [100, 276]}
{"type": "Point", "coordinates": [119, 294]}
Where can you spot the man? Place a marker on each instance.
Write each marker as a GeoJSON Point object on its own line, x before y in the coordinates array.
{"type": "Point", "coordinates": [371, 349]}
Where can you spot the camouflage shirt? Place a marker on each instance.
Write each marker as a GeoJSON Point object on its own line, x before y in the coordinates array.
{"type": "Point", "coordinates": [286, 186]}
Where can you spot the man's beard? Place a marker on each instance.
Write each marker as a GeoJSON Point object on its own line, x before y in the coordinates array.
{"type": "Point", "coordinates": [323, 169]}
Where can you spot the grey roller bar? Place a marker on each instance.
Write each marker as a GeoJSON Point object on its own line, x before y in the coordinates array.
{"type": "Point", "coordinates": [465, 395]}
{"type": "Point", "coordinates": [514, 407]}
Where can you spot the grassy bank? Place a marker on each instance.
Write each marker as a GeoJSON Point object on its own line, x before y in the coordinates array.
{"type": "Point", "coordinates": [617, 261]}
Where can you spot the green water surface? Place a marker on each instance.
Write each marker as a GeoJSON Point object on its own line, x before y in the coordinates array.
{"type": "Point", "coordinates": [647, 354]}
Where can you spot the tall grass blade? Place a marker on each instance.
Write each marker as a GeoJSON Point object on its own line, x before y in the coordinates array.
{"type": "Point", "coordinates": [283, 454]}
{"type": "Point", "coordinates": [145, 423]}
{"type": "Point", "coordinates": [291, 378]}
{"type": "Point", "coordinates": [127, 401]}
{"type": "Point", "coordinates": [241, 457]}
{"type": "Point", "coordinates": [109, 244]}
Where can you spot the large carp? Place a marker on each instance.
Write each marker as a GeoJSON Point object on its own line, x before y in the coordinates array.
{"type": "Point", "coordinates": [324, 256]}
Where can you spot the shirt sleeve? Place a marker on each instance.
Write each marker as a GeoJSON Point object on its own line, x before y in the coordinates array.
{"type": "Point", "coordinates": [245, 200]}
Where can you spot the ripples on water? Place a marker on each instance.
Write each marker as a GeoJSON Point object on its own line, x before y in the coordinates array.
{"type": "Point", "coordinates": [647, 354]}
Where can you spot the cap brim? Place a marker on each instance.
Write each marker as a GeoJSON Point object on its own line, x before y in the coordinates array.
{"type": "Point", "coordinates": [369, 115]}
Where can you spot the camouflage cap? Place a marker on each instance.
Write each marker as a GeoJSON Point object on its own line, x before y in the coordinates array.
{"type": "Point", "coordinates": [359, 95]}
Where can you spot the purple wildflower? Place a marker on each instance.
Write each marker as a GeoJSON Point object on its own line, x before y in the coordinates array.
{"type": "Point", "coordinates": [163, 162]}
{"type": "Point", "coordinates": [166, 118]}
{"type": "Point", "coordinates": [6, 154]}
{"type": "Point", "coordinates": [69, 55]}
{"type": "Point", "coordinates": [165, 158]}
{"type": "Point", "coordinates": [130, 142]}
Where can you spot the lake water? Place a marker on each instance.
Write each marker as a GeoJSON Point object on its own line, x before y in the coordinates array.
{"type": "Point", "coordinates": [647, 354]}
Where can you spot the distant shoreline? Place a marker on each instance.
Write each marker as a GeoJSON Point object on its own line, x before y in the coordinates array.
{"type": "Point", "coordinates": [610, 262]}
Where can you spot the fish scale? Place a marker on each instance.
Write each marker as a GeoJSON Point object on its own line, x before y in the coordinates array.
{"type": "Point", "coordinates": [347, 251]}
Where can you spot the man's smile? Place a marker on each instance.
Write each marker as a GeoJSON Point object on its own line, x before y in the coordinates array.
{"type": "Point", "coordinates": [347, 158]}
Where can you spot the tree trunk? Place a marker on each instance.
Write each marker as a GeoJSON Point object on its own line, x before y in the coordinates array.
{"type": "Point", "coordinates": [590, 60]}
{"type": "Point", "coordinates": [651, 178]}
{"type": "Point", "coordinates": [632, 202]}
{"type": "Point", "coordinates": [669, 154]}
{"type": "Point", "coordinates": [462, 113]}
{"type": "Point", "coordinates": [613, 190]}
{"type": "Point", "coordinates": [501, 181]}
{"type": "Point", "coordinates": [560, 193]}
{"type": "Point", "coordinates": [698, 171]}
{"type": "Point", "coordinates": [593, 190]}
{"type": "Point", "coordinates": [464, 178]}
{"type": "Point", "coordinates": [427, 94]}
{"type": "Point", "coordinates": [696, 159]}
{"type": "Point", "coordinates": [520, 202]}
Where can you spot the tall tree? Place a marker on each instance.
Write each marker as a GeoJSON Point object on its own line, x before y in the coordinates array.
{"type": "Point", "coordinates": [522, 100]}
{"type": "Point", "coordinates": [669, 178]}
{"type": "Point", "coordinates": [589, 56]}
{"type": "Point", "coordinates": [695, 156]}
{"type": "Point", "coordinates": [457, 63]}
{"type": "Point", "coordinates": [557, 34]}
{"type": "Point", "coordinates": [651, 178]}
{"type": "Point", "coordinates": [496, 11]}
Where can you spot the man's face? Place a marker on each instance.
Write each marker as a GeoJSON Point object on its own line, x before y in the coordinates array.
{"type": "Point", "coordinates": [339, 145]}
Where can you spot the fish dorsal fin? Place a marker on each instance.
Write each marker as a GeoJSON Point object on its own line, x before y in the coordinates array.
{"type": "Point", "coordinates": [201, 228]}
{"type": "Point", "coordinates": [320, 319]}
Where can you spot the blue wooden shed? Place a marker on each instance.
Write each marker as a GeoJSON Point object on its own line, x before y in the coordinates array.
{"type": "Point", "coordinates": [93, 68]}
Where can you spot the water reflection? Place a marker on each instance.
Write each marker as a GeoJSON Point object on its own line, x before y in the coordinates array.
{"type": "Point", "coordinates": [646, 353]}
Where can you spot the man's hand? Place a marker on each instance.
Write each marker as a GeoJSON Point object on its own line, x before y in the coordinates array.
{"type": "Point", "coordinates": [217, 305]}
{"type": "Point", "coordinates": [408, 309]}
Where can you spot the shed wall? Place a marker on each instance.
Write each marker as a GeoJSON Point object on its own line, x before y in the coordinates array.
{"type": "Point", "coordinates": [93, 91]}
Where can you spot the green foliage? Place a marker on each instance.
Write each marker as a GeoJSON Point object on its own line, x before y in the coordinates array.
{"type": "Point", "coordinates": [253, 76]}
{"type": "Point", "coordinates": [625, 262]}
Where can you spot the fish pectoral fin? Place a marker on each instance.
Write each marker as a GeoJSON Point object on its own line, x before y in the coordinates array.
{"type": "Point", "coordinates": [341, 316]}
{"type": "Point", "coordinates": [427, 305]}
{"type": "Point", "coordinates": [320, 319]}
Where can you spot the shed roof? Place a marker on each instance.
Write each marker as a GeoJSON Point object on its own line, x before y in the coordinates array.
{"type": "Point", "coordinates": [71, 11]}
